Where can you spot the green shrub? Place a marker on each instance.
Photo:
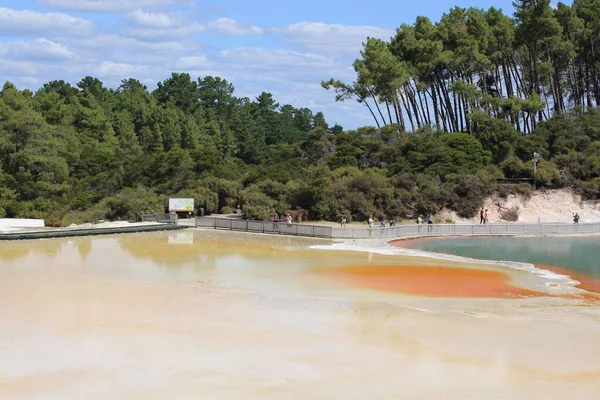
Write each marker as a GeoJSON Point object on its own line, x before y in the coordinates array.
{"type": "Point", "coordinates": [591, 190]}
{"type": "Point", "coordinates": [128, 205]}
{"type": "Point", "coordinates": [513, 167]}
{"type": "Point", "coordinates": [257, 205]}
{"type": "Point", "coordinates": [524, 190]}
{"type": "Point", "coordinates": [547, 174]}
{"type": "Point", "coordinates": [469, 193]}
{"type": "Point", "coordinates": [226, 210]}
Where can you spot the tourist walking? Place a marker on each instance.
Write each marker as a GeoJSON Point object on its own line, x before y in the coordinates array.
{"type": "Point", "coordinates": [288, 219]}
{"type": "Point", "coordinates": [370, 221]}
{"type": "Point", "coordinates": [485, 216]}
{"type": "Point", "coordinates": [576, 218]}
{"type": "Point", "coordinates": [276, 222]}
{"type": "Point", "coordinates": [393, 222]}
{"type": "Point", "coordinates": [381, 222]}
{"type": "Point", "coordinates": [481, 216]}
{"type": "Point", "coordinates": [343, 221]}
{"type": "Point", "coordinates": [430, 223]}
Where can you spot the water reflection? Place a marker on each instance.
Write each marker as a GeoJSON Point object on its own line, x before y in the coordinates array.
{"type": "Point", "coordinates": [84, 246]}
{"type": "Point", "coordinates": [181, 248]}
{"type": "Point", "coordinates": [13, 250]}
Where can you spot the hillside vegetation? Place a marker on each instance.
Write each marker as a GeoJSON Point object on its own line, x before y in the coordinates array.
{"type": "Point", "coordinates": [457, 105]}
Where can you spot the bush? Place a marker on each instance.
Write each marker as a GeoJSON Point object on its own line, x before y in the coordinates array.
{"type": "Point", "coordinates": [226, 210]}
{"type": "Point", "coordinates": [128, 205]}
{"type": "Point", "coordinates": [522, 189]}
{"type": "Point", "coordinates": [510, 214]}
{"type": "Point", "coordinates": [469, 194]}
{"type": "Point", "coordinates": [591, 190]}
{"type": "Point", "coordinates": [257, 205]}
{"type": "Point", "coordinates": [513, 167]}
{"type": "Point", "coordinates": [547, 174]}
{"type": "Point", "coordinates": [299, 214]}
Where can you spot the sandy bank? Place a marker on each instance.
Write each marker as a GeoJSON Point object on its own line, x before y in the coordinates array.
{"type": "Point", "coordinates": [544, 206]}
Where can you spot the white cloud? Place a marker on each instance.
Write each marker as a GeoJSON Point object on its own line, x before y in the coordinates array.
{"type": "Point", "coordinates": [157, 25]}
{"type": "Point", "coordinates": [24, 22]}
{"type": "Point", "coordinates": [192, 62]}
{"type": "Point", "coordinates": [332, 38]}
{"type": "Point", "coordinates": [123, 49]}
{"type": "Point", "coordinates": [282, 67]}
{"type": "Point", "coordinates": [39, 49]}
{"type": "Point", "coordinates": [154, 19]}
{"type": "Point", "coordinates": [110, 5]}
{"type": "Point", "coordinates": [252, 57]}
{"type": "Point", "coordinates": [135, 47]}
{"type": "Point", "coordinates": [15, 70]}
{"type": "Point", "coordinates": [109, 69]}
{"type": "Point", "coordinates": [229, 26]}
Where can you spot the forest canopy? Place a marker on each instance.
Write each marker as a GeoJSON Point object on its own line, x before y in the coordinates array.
{"type": "Point", "coordinates": [459, 108]}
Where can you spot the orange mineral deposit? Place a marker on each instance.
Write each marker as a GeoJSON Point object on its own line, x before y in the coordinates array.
{"type": "Point", "coordinates": [433, 281]}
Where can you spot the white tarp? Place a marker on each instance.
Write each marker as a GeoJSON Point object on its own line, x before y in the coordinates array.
{"type": "Point", "coordinates": [181, 205]}
{"type": "Point", "coordinates": [21, 223]}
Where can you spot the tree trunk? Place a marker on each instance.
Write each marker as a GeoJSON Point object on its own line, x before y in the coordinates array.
{"type": "Point", "coordinates": [371, 111]}
{"type": "Point", "coordinates": [378, 108]}
{"type": "Point", "coordinates": [387, 105]}
{"type": "Point", "coordinates": [436, 108]}
{"type": "Point", "coordinates": [408, 112]}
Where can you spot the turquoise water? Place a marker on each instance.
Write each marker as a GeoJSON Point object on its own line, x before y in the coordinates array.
{"type": "Point", "coordinates": [578, 254]}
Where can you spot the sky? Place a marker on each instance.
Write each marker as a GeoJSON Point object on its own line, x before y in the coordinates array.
{"type": "Point", "coordinates": [281, 47]}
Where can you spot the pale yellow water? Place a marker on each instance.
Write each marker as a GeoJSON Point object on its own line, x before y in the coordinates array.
{"type": "Point", "coordinates": [218, 315]}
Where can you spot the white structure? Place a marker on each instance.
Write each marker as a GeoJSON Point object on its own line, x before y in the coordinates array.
{"type": "Point", "coordinates": [10, 224]}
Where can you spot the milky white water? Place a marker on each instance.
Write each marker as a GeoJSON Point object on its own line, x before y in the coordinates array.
{"type": "Point", "coordinates": [220, 315]}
